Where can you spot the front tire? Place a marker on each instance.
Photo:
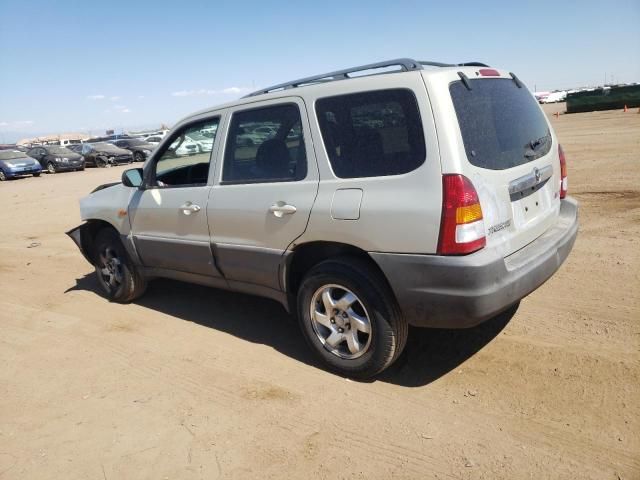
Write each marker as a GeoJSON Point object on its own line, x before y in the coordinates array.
{"type": "Point", "coordinates": [3, 176]}
{"type": "Point", "coordinates": [36, 174]}
{"type": "Point", "coordinates": [138, 157]}
{"type": "Point", "coordinates": [350, 318]}
{"type": "Point", "coordinates": [117, 275]}
{"type": "Point", "coordinates": [51, 168]}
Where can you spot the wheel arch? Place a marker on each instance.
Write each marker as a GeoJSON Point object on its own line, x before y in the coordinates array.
{"type": "Point", "coordinates": [88, 232]}
{"type": "Point", "coordinates": [305, 256]}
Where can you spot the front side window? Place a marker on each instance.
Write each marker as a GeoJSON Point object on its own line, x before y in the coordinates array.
{"type": "Point", "coordinates": [265, 145]}
{"type": "Point", "coordinates": [372, 134]}
{"type": "Point", "coordinates": [187, 158]}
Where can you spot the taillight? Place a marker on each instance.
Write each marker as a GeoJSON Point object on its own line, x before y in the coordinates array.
{"type": "Point", "coordinates": [563, 173]}
{"type": "Point", "coordinates": [462, 227]}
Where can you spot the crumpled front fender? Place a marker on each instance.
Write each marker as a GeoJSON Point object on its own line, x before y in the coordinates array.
{"type": "Point", "coordinates": [81, 237]}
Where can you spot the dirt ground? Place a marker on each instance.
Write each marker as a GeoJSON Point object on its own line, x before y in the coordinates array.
{"type": "Point", "coordinates": [192, 383]}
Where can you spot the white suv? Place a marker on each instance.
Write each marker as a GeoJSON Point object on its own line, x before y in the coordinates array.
{"type": "Point", "coordinates": [431, 195]}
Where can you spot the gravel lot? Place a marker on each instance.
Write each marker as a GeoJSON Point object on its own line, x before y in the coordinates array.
{"type": "Point", "coordinates": [191, 382]}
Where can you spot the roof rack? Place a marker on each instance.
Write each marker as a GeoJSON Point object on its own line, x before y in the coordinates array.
{"type": "Point", "coordinates": [405, 64]}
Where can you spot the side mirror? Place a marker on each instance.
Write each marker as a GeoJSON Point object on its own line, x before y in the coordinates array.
{"type": "Point", "coordinates": [132, 177]}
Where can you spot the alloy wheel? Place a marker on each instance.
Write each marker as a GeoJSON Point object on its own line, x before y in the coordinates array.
{"type": "Point", "coordinates": [111, 269]}
{"type": "Point", "coordinates": [340, 321]}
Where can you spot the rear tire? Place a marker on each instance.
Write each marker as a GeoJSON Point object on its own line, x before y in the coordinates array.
{"type": "Point", "coordinates": [3, 176]}
{"type": "Point", "coordinates": [364, 332]}
{"type": "Point", "coordinates": [118, 277]}
{"type": "Point", "coordinates": [51, 168]}
{"type": "Point", "coordinates": [36, 174]}
{"type": "Point", "coordinates": [138, 157]}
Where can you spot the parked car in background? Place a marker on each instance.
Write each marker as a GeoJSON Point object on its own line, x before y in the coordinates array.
{"type": "Point", "coordinates": [67, 142]}
{"type": "Point", "coordinates": [103, 154]}
{"type": "Point", "coordinates": [264, 132]}
{"type": "Point", "coordinates": [153, 139]}
{"type": "Point", "coordinates": [108, 138]}
{"type": "Point", "coordinates": [55, 158]}
{"type": "Point", "coordinates": [188, 146]}
{"type": "Point", "coordinates": [14, 163]}
{"type": "Point", "coordinates": [160, 133]}
{"type": "Point", "coordinates": [141, 150]}
{"type": "Point", "coordinates": [11, 146]}
{"type": "Point", "coordinates": [554, 97]}
{"type": "Point", "coordinates": [203, 142]}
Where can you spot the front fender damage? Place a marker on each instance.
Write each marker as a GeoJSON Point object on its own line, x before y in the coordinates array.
{"type": "Point", "coordinates": [82, 238]}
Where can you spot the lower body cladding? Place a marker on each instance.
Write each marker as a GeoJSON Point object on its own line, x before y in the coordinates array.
{"type": "Point", "coordinates": [255, 271]}
{"type": "Point", "coordinates": [461, 292]}
{"type": "Point", "coordinates": [431, 291]}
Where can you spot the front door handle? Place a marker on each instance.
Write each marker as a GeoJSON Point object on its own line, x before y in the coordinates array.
{"type": "Point", "coordinates": [280, 209]}
{"type": "Point", "coordinates": [189, 208]}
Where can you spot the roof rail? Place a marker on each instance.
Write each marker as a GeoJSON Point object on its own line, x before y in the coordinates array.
{"type": "Point", "coordinates": [405, 64]}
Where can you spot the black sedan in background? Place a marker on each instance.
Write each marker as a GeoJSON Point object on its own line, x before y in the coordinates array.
{"type": "Point", "coordinates": [102, 154]}
{"type": "Point", "coordinates": [140, 149]}
{"type": "Point", "coordinates": [55, 158]}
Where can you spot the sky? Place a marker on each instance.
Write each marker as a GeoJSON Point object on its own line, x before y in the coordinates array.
{"type": "Point", "coordinates": [85, 66]}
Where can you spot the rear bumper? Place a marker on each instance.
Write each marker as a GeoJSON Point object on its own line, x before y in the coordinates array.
{"type": "Point", "coordinates": [460, 292]}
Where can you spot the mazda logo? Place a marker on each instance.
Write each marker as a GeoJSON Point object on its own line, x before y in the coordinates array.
{"type": "Point", "coordinates": [536, 173]}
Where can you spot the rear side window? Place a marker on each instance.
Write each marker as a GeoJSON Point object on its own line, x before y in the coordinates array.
{"type": "Point", "coordinates": [372, 134]}
{"type": "Point", "coordinates": [265, 145]}
{"type": "Point", "coordinates": [501, 125]}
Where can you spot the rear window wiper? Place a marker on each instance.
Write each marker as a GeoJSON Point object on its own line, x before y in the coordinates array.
{"type": "Point", "coordinates": [533, 146]}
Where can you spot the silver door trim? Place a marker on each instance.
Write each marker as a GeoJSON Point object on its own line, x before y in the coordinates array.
{"type": "Point", "coordinates": [530, 180]}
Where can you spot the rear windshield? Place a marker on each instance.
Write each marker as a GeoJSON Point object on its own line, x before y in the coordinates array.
{"type": "Point", "coordinates": [501, 124]}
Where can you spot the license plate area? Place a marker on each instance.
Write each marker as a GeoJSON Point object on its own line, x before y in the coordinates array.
{"type": "Point", "coordinates": [531, 205]}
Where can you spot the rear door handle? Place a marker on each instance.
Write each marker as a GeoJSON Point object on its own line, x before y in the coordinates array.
{"type": "Point", "coordinates": [280, 209]}
{"type": "Point", "coordinates": [189, 208]}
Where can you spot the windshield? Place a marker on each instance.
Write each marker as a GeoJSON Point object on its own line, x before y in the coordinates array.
{"type": "Point", "coordinates": [59, 150]}
{"type": "Point", "coordinates": [106, 147]}
{"type": "Point", "coordinates": [502, 125]}
{"type": "Point", "coordinates": [11, 154]}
